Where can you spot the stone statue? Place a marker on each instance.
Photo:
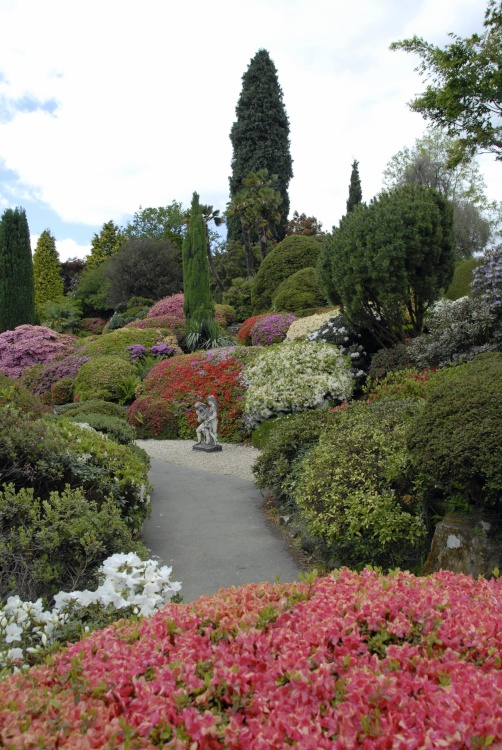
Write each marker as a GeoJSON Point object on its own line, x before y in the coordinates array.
{"type": "Point", "coordinates": [207, 431]}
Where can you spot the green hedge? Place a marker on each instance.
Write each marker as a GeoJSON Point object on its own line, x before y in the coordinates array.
{"type": "Point", "coordinates": [299, 293]}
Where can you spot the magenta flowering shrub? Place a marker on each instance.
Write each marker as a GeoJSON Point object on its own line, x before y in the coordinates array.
{"type": "Point", "coordinates": [351, 660]}
{"type": "Point", "coordinates": [271, 329]}
{"type": "Point", "coordinates": [32, 345]}
{"type": "Point", "coordinates": [41, 378]}
{"type": "Point", "coordinates": [172, 305]}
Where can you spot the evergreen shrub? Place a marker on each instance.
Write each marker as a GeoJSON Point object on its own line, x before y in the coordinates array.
{"type": "Point", "coordinates": [110, 378]}
{"type": "Point", "coordinates": [385, 361]}
{"type": "Point", "coordinates": [114, 427]}
{"type": "Point", "coordinates": [299, 293]}
{"type": "Point", "coordinates": [93, 326]}
{"type": "Point", "coordinates": [93, 406]}
{"type": "Point", "coordinates": [41, 379]}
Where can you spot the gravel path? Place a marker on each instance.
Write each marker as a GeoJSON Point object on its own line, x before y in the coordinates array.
{"type": "Point", "coordinates": [234, 460]}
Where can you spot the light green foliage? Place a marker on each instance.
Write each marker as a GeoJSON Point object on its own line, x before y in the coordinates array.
{"type": "Point", "coordinates": [114, 427]}
{"type": "Point", "coordinates": [116, 342]}
{"type": "Point", "coordinates": [62, 315]}
{"type": "Point", "coordinates": [299, 293]}
{"type": "Point", "coordinates": [58, 543]}
{"type": "Point", "coordinates": [13, 393]}
{"type": "Point", "coordinates": [292, 254]}
{"type": "Point", "coordinates": [464, 95]}
{"type": "Point", "coordinates": [462, 279]}
{"type": "Point", "coordinates": [349, 487]}
{"type": "Point", "coordinates": [105, 244]}
{"type": "Point", "coordinates": [391, 259]}
{"type": "Point", "coordinates": [110, 378]}
{"type": "Point", "coordinates": [456, 441]}
{"type": "Point", "coordinates": [17, 290]}
{"type": "Point", "coordinates": [198, 305]}
{"type": "Point", "coordinates": [164, 222]}
{"type": "Point", "coordinates": [92, 406]}
{"type": "Point", "coordinates": [47, 272]}
{"type": "Point", "coordinates": [91, 291]}
{"type": "Point", "coordinates": [239, 297]}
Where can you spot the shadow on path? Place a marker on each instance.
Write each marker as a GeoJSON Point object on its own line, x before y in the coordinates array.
{"type": "Point", "coordinates": [212, 530]}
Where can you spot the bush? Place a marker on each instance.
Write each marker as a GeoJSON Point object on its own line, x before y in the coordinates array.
{"type": "Point", "coordinates": [47, 456]}
{"type": "Point", "coordinates": [121, 319]}
{"type": "Point", "coordinates": [92, 406]}
{"type": "Point", "coordinates": [239, 297]}
{"type": "Point", "coordinates": [292, 254]}
{"type": "Point", "coordinates": [385, 361]}
{"type": "Point", "coordinates": [40, 379]}
{"type": "Point", "coordinates": [271, 329]}
{"type": "Point", "coordinates": [58, 542]}
{"type": "Point", "coordinates": [110, 378]}
{"type": "Point", "coordinates": [304, 326]}
{"type": "Point", "coordinates": [294, 376]}
{"type": "Point", "coordinates": [13, 393]}
{"type": "Point", "coordinates": [117, 342]}
{"type": "Point", "coordinates": [140, 302]}
{"type": "Point", "coordinates": [92, 326]}
{"type": "Point", "coordinates": [455, 443]}
{"type": "Point", "coordinates": [299, 293]}
{"type": "Point", "coordinates": [462, 279]}
{"type": "Point", "coordinates": [350, 488]}
{"type": "Point", "coordinates": [61, 315]}
{"type": "Point", "coordinates": [114, 427]}
{"type": "Point", "coordinates": [172, 305]}
{"type": "Point", "coordinates": [31, 345]}
{"type": "Point", "coordinates": [400, 384]}
{"type": "Point", "coordinates": [224, 315]}
{"type": "Point", "coordinates": [62, 391]}
{"type": "Point", "coordinates": [244, 332]}
{"type": "Point", "coordinates": [153, 417]}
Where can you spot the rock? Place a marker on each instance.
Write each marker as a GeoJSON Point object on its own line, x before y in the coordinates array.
{"type": "Point", "coordinates": [470, 544]}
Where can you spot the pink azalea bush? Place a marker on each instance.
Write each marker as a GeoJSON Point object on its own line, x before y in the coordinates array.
{"type": "Point", "coordinates": [172, 305]}
{"type": "Point", "coordinates": [32, 345]}
{"type": "Point", "coordinates": [170, 309]}
{"type": "Point", "coordinates": [272, 329]}
{"type": "Point", "coordinates": [350, 660]}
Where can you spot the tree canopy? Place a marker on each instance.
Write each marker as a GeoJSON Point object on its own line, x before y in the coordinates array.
{"type": "Point", "coordinates": [164, 222]}
{"type": "Point", "coordinates": [105, 244]}
{"type": "Point", "coordinates": [47, 271]}
{"type": "Point", "coordinates": [465, 93]}
{"type": "Point", "coordinates": [355, 190]}
{"type": "Point", "coordinates": [198, 305]}
{"type": "Point", "coordinates": [17, 289]}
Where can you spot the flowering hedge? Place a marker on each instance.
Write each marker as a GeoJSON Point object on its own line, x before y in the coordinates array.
{"type": "Point", "coordinates": [31, 345]}
{"type": "Point", "coordinates": [271, 329]}
{"type": "Point", "coordinates": [244, 332]}
{"type": "Point", "coordinates": [295, 376]}
{"type": "Point", "coordinates": [350, 660]}
{"type": "Point", "coordinates": [167, 396]}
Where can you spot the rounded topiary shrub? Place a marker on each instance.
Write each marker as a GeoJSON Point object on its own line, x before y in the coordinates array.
{"type": "Point", "coordinates": [110, 378]}
{"type": "Point", "coordinates": [271, 329]}
{"type": "Point", "coordinates": [299, 293]}
{"type": "Point", "coordinates": [31, 345]}
{"type": "Point", "coordinates": [94, 406]}
{"type": "Point", "coordinates": [456, 442]}
{"type": "Point", "coordinates": [117, 342]}
{"type": "Point", "coordinates": [292, 254]}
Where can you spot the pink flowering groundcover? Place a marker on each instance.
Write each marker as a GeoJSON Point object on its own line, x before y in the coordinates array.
{"type": "Point", "coordinates": [349, 660]}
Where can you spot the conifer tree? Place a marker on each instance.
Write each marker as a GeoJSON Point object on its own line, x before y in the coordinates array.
{"type": "Point", "coordinates": [260, 137]}
{"type": "Point", "coordinates": [17, 294]}
{"type": "Point", "coordinates": [106, 243]}
{"type": "Point", "coordinates": [47, 271]}
{"type": "Point", "coordinates": [355, 192]}
{"type": "Point", "coordinates": [198, 305]}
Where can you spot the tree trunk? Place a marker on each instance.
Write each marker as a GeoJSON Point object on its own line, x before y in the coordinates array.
{"type": "Point", "coordinates": [262, 236]}
{"type": "Point", "coordinates": [248, 249]}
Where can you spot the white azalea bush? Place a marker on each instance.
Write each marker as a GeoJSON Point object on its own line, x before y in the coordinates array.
{"type": "Point", "coordinates": [295, 376]}
{"type": "Point", "coordinates": [129, 586]}
{"type": "Point", "coordinates": [303, 326]}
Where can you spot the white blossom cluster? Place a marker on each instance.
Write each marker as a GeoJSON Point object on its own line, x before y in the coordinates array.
{"type": "Point", "coordinates": [128, 583]}
{"type": "Point", "coordinates": [303, 326]}
{"type": "Point", "coordinates": [295, 376]}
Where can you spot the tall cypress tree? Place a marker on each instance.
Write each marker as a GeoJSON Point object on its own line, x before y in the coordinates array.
{"type": "Point", "coordinates": [47, 271]}
{"type": "Point", "coordinates": [198, 305]}
{"type": "Point", "coordinates": [355, 192]}
{"type": "Point", "coordinates": [17, 292]}
{"type": "Point", "coordinates": [260, 137]}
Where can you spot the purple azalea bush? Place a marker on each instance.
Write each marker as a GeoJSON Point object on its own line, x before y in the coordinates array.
{"type": "Point", "coordinates": [27, 345]}
{"type": "Point", "coordinates": [272, 329]}
{"type": "Point", "coordinates": [40, 379]}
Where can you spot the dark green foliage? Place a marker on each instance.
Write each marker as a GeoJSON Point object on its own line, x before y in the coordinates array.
{"type": "Point", "coordinates": [391, 259]}
{"type": "Point", "coordinates": [13, 393]}
{"type": "Point", "coordinates": [91, 290]}
{"type": "Point", "coordinates": [390, 360]}
{"type": "Point", "coordinates": [260, 136]}
{"type": "Point", "coordinates": [355, 191]}
{"type": "Point", "coordinates": [114, 427]}
{"type": "Point", "coordinates": [57, 543]}
{"type": "Point", "coordinates": [292, 254]}
{"type": "Point", "coordinates": [162, 223]}
{"type": "Point", "coordinates": [70, 273]}
{"type": "Point", "coordinates": [62, 315]}
{"type": "Point", "coordinates": [299, 293]}
{"type": "Point", "coordinates": [17, 290]}
{"type": "Point", "coordinates": [230, 261]}
{"type": "Point", "coordinates": [198, 305]}
{"type": "Point", "coordinates": [456, 442]}
{"type": "Point", "coordinates": [111, 378]}
{"type": "Point", "coordinates": [93, 406]}
{"type": "Point", "coordinates": [462, 279]}
{"type": "Point", "coordinates": [135, 302]}
{"type": "Point", "coordinates": [47, 272]}
{"type": "Point", "coordinates": [352, 492]}
{"type": "Point", "coordinates": [239, 297]}
{"type": "Point", "coordinates": [144, 267]}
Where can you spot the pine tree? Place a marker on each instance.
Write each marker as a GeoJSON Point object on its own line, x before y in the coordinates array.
{"type": "Point", "coordinates": [106, 243]}
{"type": "Point", "coordinates": [17, 294]}
{"type": "Point", "coordinates": [355, 192]}
{"type": "Point", "coordinates": [260, 137]}
{"type": "Point", "coordinates": [47, 271]}
{"type": "Point", "coordinates": [198, 305]}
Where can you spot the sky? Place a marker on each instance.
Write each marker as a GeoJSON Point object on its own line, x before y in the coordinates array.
{"type": "Point", "coordinates": [109, 105]}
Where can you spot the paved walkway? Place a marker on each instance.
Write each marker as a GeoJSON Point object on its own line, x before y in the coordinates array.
{"type": "Point", "coordinates": [212, 530]}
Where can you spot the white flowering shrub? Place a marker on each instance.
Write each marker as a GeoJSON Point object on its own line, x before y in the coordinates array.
{"type": "Point", "coordinates": [295, 376]}
{"type": "Point", "coordinates": [303, 326]}
{"type": "Point", "coordinates": [130, 586]}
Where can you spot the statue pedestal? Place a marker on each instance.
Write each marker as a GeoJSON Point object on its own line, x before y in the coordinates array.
{"type": "Point", "coordinates": [207, 448]}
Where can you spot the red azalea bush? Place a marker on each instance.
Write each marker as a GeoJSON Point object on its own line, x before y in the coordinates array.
{"type": "Point", "coordinates": [244, 332]}
{"type": "Point", "coordinates": [181, 381]}
{"type": "Point", "coordinates": [271, 329]}
{"type": "Point", "coordinates": [350, 660]}
{"type": "Point", "coordinates": [31, 345]}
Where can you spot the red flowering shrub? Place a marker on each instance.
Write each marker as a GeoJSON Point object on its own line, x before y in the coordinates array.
{"type": "Point", "coordinates": [181, 381]}
{"type": "Point", "coordinates": [351, 660]}
{"type": "Point", "coordinates": [244, 332]}
{"type": "Point", "coordinates": [153, 418]}
{"type": "Point", "coordinates": [31, 345]}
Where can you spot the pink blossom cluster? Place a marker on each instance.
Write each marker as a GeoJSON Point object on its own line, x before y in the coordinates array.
{"type": "Point", "coordinates": [272, 329]}
{"type": "Point", "coordinates": [170, 309]}
{"type": "Point", "coordinates": [351, 660]}
{"type": "Point", "coordinates": [172, 305]}
{"type": "Point", "coordinates": [32, 345]}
